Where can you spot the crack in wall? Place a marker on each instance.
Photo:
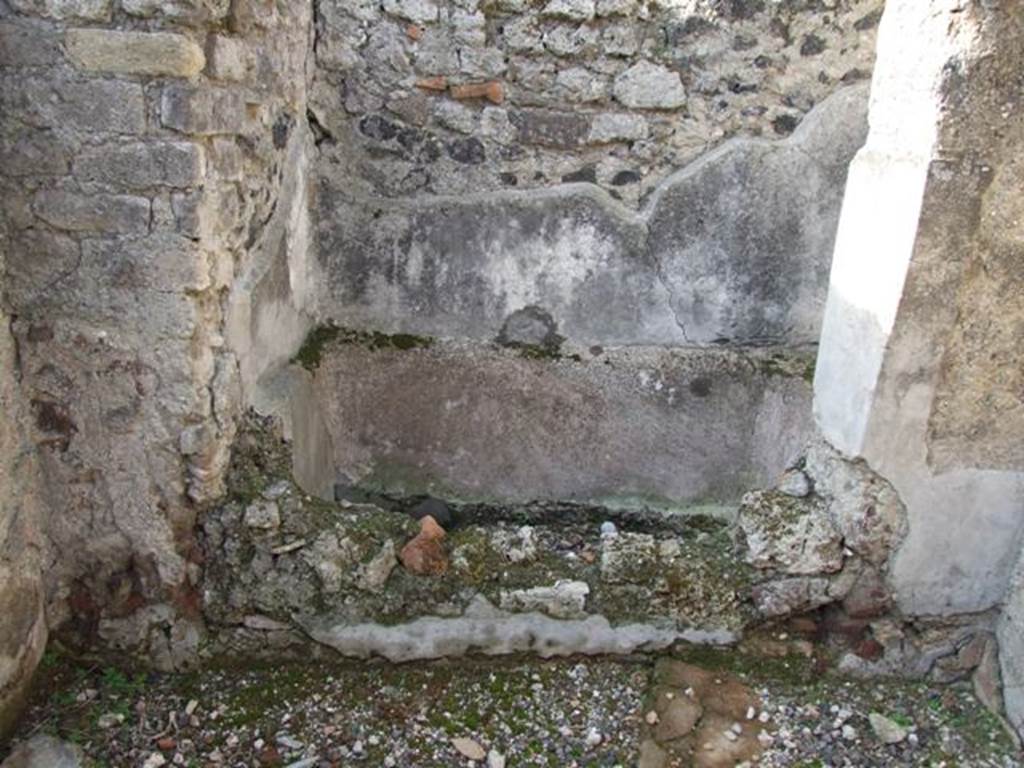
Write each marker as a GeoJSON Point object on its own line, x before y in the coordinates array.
{"type": "Point", "coordinates": [660, 273]}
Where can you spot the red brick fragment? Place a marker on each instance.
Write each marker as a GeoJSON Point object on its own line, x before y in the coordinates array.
{"type": "Point", "coordinates": [425, 555]}
{"type": "Point", "coordinates": [493, 91]}
{"type": "Point", "coordinates": [438, 83]}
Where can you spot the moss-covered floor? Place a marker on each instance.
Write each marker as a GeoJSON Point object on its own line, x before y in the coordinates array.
{"type": "Point", "coordinates": [573, 712]}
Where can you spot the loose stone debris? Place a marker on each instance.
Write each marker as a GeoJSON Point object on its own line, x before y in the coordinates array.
{"type": "Point", "coordinates": [689, 707]}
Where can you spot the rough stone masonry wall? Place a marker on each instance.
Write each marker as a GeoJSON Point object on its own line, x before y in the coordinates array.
{"type": "Point", "coordinates": [142, 157]}
{"type": "Point", "coordinates": [467, 96]}
{"type": "Point", "coordinates": [23, 630]}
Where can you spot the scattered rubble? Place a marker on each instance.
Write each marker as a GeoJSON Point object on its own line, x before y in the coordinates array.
{"type": "Point", "coordinates": [712, 709]}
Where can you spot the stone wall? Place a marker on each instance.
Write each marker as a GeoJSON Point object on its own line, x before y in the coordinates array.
{"type": "Point", "coordinates": [467, 96]}
{"type": "Point", "coordinates": [901, 380]}
{"type": "Point", "coordinates": [732, 250]}
{"type": "Point", "coordinates": [916, 372]}
{"type": "Point", "coordinates": [23, 631]}
{"type": "Point", "coordinates": [144, 149]}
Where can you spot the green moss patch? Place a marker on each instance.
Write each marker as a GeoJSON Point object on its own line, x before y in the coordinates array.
{"type": "Point", "coordinates": [310, 354]}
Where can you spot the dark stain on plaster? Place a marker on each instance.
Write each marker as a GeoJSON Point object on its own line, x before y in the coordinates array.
{"type": "Point", "coordinates": [282, 128]}
{"type": "Point", "coordinates": [55, 420]}
{"type": "Point", "coordinates": [701, 386]}
{"type": "Point", "coordinates": [533, 332]}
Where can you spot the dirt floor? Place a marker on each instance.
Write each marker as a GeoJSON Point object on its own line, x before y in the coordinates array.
{"type": "Point", "coordinates": [694, 706]}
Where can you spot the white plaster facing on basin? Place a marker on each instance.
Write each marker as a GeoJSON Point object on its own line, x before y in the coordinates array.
{"type": "Point", "coordinates": [488, 630]}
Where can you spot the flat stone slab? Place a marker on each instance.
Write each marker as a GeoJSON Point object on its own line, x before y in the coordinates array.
{"type": "Point", "coordinates": [618, 426]}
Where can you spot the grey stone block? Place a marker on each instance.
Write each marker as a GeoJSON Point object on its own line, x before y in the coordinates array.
{"type": "Point", "coordinates": [103, 106]}
{"type": "Point", "coordinates": [22, 45]}
{"type": "Point", "coordinates": [227, 58]}
{"type": "Point", "coordinates": [613, 126]}
{"type": "Point", "coordinates": [139, 285]}
{"type": "Point", "coordinates": [635, 425]}
{"type": "Point", "coordinates": [182, 11]}
{"type": "Point", "coordinates": [142, 164]}
{"type": "Point", "coordinates": [417, 11]}
{"type": "Point", "coordinates": [78, 212]}
{"type": "Point", "coordinates": [164, 263]}
{"type": "Point", "coordinates": [72, 10]}
{"type": "Point", "coordinates": [36, 153]}
{"type": "Point", "coordinates": [43, 751]}
{"type": "Point", "coordinates": [574, 10]}
{"type": "Point", "coordinates": [650, 86]}
{"type": "Point", "coordinates": [36, 263]}
{"type": "Point", "coordinates": [203, 111]}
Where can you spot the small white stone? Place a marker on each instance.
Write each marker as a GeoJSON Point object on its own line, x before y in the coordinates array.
{"type": "Point", "coordinates": [794, 483]}
{"type": "Point", "coordinates": [608, 529]}
{"type": "Point", "coordinates": [456, 116]}
{"type": "Point", "coordinates": [277, 490]}
{"type": "Point", "coordinates": [496, 124]}
{"type": "Point", "coordinates": [109, 720]}
{"type": "Point", "coordinates": [849, 733]}
{"type": "Point", "coordinates": [615, 7]}
{"type": "Point", "coordinates": [888, 731]}
{"type": "Point", "coordinates": [417, 11]}
{"type": "Point", "coordinates": [751, 713]}
{"type": "Point", "coordinates": [594, 737]}
{"type": "Point", "coordinates": [495, 759]}
{"type": "Point", "coordinates": [613, 126]}
{"type": "Point", "coordinates": [469, 748]}
{"type": "Point", "coordinates": [263, 515]}
{"type": "Point", "coordinates": [577, 10]}
{"type": "Point", "coordinates": [650, 86]}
